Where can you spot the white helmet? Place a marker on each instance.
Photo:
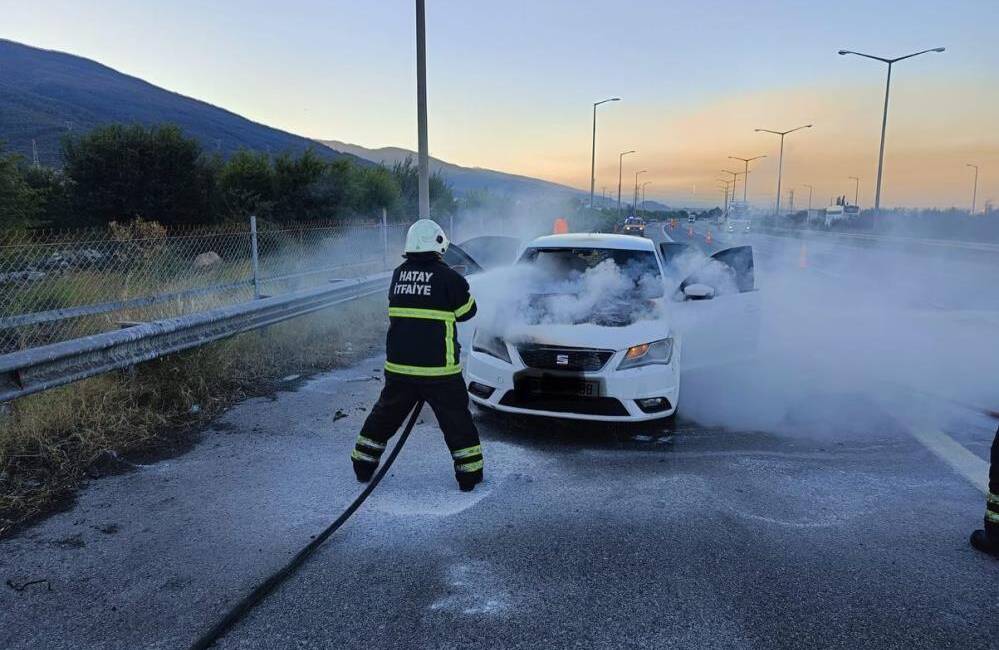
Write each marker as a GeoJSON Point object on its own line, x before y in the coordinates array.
{"type": "Point", "coordinates": [425, 236]}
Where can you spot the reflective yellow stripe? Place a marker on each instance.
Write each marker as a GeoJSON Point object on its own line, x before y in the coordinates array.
{"type": "Point", "coordinates": [992, 516]}
{"type": "Point", "coordinates": [993, 498]}
{"type": "Point", "coordinates": [413, 312]}
{"type": "Point", "coordinates": [357, 455]}
{"type": "Point", "coordinates": [449, 357]}
{"type": "Point", "coordinates": [422, 371]}
{"type": "Point", "coordinates": [464, 309]}
{"type": "Point", "coordinates": [466, 452]}
{"type": "Point", "coordinates": [368, 442]}
{"type": "Point", "coordinates": [469, 467]}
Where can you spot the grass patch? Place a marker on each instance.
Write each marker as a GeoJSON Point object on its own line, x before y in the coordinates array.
{"type": "Point", "coordinates": [52, 441]}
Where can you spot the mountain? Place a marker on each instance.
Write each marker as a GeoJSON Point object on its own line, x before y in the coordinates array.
{"type": "Point", "coordinates": [45, 94]}
{"type": "Point", "coordinates": [462, 179]}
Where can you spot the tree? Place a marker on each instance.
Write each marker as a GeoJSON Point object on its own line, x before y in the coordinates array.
{"type": "Point", "coordinates": [246, 185]}
{"type": "Point", "coordinates": [378, 189]}
{"type": "Point", "coordinates": [123, 172]}
{"type": "Point", "coordinates": [294, 179]}
{"type": "Point", "coordinates": [18, 203]}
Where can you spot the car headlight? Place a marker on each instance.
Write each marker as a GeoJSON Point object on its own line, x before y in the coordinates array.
{"type": "Point", "coordinates": [647, 354]}
{"type": "Point", "coordinates": [494, 346]}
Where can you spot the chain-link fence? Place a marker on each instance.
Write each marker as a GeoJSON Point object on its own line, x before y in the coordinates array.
{"type": "Point", "coordinates": [59, 285]}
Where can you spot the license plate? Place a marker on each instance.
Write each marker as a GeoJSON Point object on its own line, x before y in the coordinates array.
{"type": "Point", "coordinates": [564, 386]}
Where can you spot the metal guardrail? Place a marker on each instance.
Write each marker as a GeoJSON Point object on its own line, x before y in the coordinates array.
{"type": "Point", "coordinates": [37, 369]}
{"type": "Point", "coordinates": [889, 239]}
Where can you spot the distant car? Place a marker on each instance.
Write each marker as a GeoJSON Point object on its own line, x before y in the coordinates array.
{"type": "Point", "coordinates": [634, 226]}
{"type": "Point", "coordinates": [747, 227]}
{"type": "Point", "coordinates": [731, 227]}
{"type": "Point", "coordinates": [691, 219]}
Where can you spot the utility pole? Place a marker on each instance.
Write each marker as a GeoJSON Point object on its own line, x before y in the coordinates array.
{"type": "Point", "coordinates": [643, 194]}
{"type": "Point", "coordinates": [745, 178]}
{"type": "Point", "coordinates": [421, 109]}
{"type": "Point", "coordinates": [974, 192]}
{"type": "Point", "coordinates": [780, 160]}
{"type": "Point", "coordinates": [620, 162]}
{"type": "Point", "coordinates": [593, 149]}
{"type": "Point", "coordinates": [856, 189]}
{"type": "Point", "coordinates": [790, 202]}
{"type": "Point", "coordinates": [884, 118]}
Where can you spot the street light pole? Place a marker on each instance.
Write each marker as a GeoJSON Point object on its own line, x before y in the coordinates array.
{"type": "Point", "coordinates": [974, 192]}
{"type": "Point", "coordinates": [593, 149]}
{"type": "Point", "coordinates": [735, 181]}
{"type": "Point", "coordinates": [637, 174]}
{"type": "Point", "coordinates": [810, 190]}
{"type": "Point", "coordinates": [884, 117]}
{"type": "Point", "coordinates": [745, 179]}
{"type": "Point", "coordinates": [780, 160]}
{"type": "Point", "coordinates": [423, 156]}
{"type": "Point", "coordinates": [856, 189]}
{"type": "Point", "coordinates": [643, 193]}
{"type": "Point", "coordinates": [620, 162]}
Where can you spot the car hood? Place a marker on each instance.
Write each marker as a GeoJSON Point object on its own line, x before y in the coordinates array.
{"type": "Point", "coordinates": [588, 335]}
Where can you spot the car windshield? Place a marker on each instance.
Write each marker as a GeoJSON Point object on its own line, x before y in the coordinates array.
{"type": "Point", "coordinates": [570, 264]}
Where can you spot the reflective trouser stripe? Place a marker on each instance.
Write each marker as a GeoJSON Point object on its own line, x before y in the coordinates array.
{"type": "Point", "coordinates": [464, 309]}
{"type": "Point", "coordinates": [449, 358]}
{"type": "Point", "coordinates": [368, 442]}
{"type": "Point", "coordinates": [467, 452]}
{"type": "Point", "coordinates": [993, 498]}
{"type": "Point", "coordinates": [423, 371]}
{"type": "Point", "coordinates": [992, 516]}
{"type": "Point", "coordinates": [360, 455]}
{"type": "Point", "coordinates": [469, 467]}
{"type": "Point", "coordinates": [992, 508]}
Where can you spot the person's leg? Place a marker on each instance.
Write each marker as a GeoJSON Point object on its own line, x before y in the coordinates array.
{"type": "Point", "coordinates": [395, 402]}
{"type": "Point", "coordinates": [449, 400]}
{"type": "Point", "coordinates": [987, 540]}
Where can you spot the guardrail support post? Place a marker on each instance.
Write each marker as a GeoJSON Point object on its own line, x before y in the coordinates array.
{"type": "Point", "coordinates": [256, 261]}
{"type": "Point", "coordinates": [384, 238]}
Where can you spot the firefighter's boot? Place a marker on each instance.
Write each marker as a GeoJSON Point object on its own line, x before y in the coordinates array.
{"type": "Point", "coordinates": [988, 544]}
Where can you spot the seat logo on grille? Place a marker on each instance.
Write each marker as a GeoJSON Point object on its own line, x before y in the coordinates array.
{"type": "Point", "coordinates": [562, 359]}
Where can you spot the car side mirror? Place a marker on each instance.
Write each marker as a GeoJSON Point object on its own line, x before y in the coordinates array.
{"type": "Point", "coordinates": [698, 292]}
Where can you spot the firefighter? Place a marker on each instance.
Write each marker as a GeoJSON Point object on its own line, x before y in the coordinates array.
{"type": "Point", "coordinates": [987, 540]}
{"type": "Point", "coordinates": [426, 300]}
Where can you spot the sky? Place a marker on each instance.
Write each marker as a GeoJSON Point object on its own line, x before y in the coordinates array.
{"type": "Point", "coordinates": [511, 84]}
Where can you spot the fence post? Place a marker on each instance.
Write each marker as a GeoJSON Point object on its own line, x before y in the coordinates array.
{"type": "Point", "coordinates": [384, 238]}
{"type": "Point", "coordinates": [256, 261]}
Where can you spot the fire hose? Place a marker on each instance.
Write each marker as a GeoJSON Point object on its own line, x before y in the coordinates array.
{"type": "Point", "coordinates": [261, 591]}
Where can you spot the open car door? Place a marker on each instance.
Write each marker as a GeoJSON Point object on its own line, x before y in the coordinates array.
{"type": "Point", "coordinates": [718, 310]}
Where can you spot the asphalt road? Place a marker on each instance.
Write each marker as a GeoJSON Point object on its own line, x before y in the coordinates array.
{"type": "Point", "coordinates": [852, 534]}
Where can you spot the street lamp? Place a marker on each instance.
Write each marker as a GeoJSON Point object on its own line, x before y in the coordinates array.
{"type": "Point", "coordinates": [643, 192]}
{"type": "Point", "coordinates": [974, 192]}
{"type": "Point", "coordinates": [780, 160]}
{"type": "Point", "coordinates": [725, 188]}
{"type": "Point", "coordinates": [735, 181]}
{"type": "Point", "coordinates": [620, 161]}
{"type": "Point", "coordinates": [593, 152]}
{"type": "Point", "coordinates": [745, 180]}
{"type": "Point", "coordinates": [810, 190]}
{"type": "Point", "coordinates": [856, 189]}
{"type": "Point", "coordinates": [637, 174]}
{"type": "Point", "coordinates": [884, 118]}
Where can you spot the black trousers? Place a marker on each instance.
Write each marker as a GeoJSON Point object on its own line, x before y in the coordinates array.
{"type": "Point", "coordinates": [448, 398]}
{"type": "Point", "coordinates": [992, 505]}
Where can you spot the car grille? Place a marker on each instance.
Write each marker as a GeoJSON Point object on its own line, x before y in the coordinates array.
{"type": "Point", "coordinates": [572, 359]}
{"type": "Point", "coordinates": [557, 404]}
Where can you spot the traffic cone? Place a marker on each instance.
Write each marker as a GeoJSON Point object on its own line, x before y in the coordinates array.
{"type": "Point", "coordinates": [803, 257]}
{"type": "Point", "coordinates": [560, 227]}
{"type": "Point", "coordinates": [707, 237]}
{"type": "Point", "coordinates": [690, 231]}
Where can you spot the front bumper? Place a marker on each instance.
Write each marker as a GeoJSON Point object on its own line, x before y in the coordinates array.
{"type": "Point", "coordinates": [617, 401]}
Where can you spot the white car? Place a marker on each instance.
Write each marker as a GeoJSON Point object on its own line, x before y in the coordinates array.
{"type": "Point", "coordinates": [593, 331]}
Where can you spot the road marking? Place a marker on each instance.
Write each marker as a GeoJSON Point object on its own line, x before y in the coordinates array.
{"type": "Point", "coordinates": [950, 451]}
